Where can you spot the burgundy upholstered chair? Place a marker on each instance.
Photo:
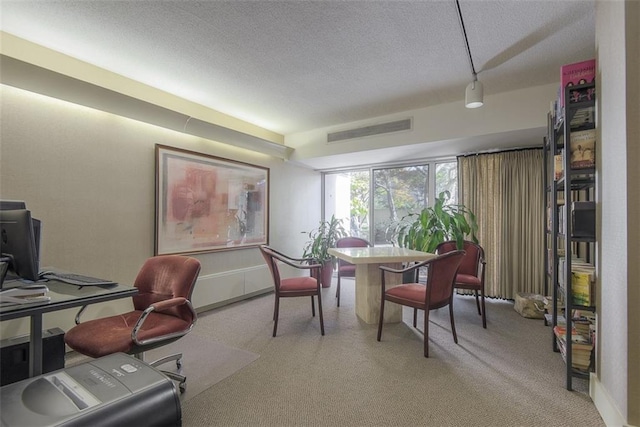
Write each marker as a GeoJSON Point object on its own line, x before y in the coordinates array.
{"type": "Point", "coordinates": [162, 313]}
{"type": "Point", "coordinates": [294, 286]}
{"type": "Point", "coordinates": [346, 269]}
{"type": "Point", "coordinates": [471, 272]}
{"type": "Point", "coordinates": [437, 293]}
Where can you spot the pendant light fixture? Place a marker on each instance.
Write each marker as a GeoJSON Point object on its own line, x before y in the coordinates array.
{"type": "Point", "coordinates": [474, 94]}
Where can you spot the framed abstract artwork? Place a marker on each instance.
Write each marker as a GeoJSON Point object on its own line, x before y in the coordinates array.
{"type": "Point", "coordinates": [206, 203]}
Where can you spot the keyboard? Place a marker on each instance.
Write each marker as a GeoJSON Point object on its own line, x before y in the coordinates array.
{"type": "Point", "coordinates": [77, 279]}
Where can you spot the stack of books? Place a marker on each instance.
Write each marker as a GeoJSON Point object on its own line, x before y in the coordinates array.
{"type": "Point", "coordinates": [581, 348]}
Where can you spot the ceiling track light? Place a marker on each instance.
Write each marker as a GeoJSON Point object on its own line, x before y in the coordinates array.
{"type": "Point", "coordinates": [474, 94]}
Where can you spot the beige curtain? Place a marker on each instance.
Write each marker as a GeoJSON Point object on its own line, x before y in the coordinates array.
{"type": "Point", "coordinates": [505, 192]}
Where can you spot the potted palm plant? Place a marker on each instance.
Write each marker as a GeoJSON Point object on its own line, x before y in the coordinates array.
{"type": "Point", "coordinates": [317, 247]}
{"type": "Point", "coordinates": [425, 230]}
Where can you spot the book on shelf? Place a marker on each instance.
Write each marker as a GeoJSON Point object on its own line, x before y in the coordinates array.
{"type": "Point", "coordinates": [583, 149]}
{"type": "Point", "coordinates": [582, 285]}
{"type": "Point", "coordinates": [558, 167]}
{"type": "Point", "coordinates": [576, 74]}
{"type": "Point", "coordinates": [582, 94]}
{"type": "Point", "coordinates": [583, 118]}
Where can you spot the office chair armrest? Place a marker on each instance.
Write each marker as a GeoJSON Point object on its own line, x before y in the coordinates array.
{"type": "Point", "coordinates": [82, 309]}
{"type": "Point", "coordinates": [166, 304]}
{"type": "Point", "coordinates": [161, 306]}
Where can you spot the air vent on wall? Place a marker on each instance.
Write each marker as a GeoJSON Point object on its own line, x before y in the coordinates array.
{"type": "Point", "coordinates": [397, 126]}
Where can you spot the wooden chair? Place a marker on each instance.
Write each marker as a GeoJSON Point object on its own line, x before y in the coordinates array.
{"type": "Point", "coordinates": [437, 293]}
{"type": "Point", "coordinates": [471, 272]}
{"type": "Point", "coordinates": [293, 286]}
{"type": "Point", "coordinates": [346, 269]}
{"type": "Point", "coordinates": [162, 313]}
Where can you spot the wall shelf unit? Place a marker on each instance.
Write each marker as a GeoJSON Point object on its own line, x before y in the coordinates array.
{"type": "Point", "coordinates": [570, 179]}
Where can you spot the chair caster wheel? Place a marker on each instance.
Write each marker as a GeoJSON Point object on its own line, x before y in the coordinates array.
{"type": "Point", "coordinates": [179, 363]}
{"type": "Point", "coordinates": [182, 387]}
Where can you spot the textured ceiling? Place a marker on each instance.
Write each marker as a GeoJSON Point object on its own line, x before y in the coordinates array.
{"type": "Point", "coordinates": [291, 66]}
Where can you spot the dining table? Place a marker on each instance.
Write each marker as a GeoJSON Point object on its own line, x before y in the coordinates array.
{"type": "Point", "coordinates": [368, 280]}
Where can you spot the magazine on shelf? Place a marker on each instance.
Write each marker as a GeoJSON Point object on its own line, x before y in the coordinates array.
{"type": "Point", "coordinates": [576, 74]}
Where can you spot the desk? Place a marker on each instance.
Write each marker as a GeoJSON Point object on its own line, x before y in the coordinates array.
{"type": "Point", "coordinates": [63, 296]}
{"type": "Point", "coordinates": [368, 283]}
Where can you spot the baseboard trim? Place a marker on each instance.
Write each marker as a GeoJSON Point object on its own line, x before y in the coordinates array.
{"type": "Point", "coordinates": [604, 404]}
{"type": "Point", "coordinates": [219, 304]}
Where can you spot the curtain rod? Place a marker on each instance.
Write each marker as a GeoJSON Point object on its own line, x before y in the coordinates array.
{"type": "Point", "coordinates": [506, 150]}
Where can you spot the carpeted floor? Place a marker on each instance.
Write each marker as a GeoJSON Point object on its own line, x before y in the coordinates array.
{"type": "Point", "coordinates": [204, 362]}
{"type": "Point", "coordinates": [505, 375]}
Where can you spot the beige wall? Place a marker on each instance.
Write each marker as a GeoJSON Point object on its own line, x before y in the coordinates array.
{"type": "Point", "coordinates": [90, 177]}
{"type": "Point", "coordinates": [616, 386]}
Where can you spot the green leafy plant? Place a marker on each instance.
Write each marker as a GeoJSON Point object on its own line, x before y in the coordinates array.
{"type": "Point", "coordinates": [323, 238]}
{"type": "Point", "coordinates": [423, 231]}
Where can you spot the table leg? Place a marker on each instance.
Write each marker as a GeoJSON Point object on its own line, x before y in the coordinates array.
{"type": "Point", "coordinates": [368, 294]}
{"type": "Point", "coordinates": [35, 346]}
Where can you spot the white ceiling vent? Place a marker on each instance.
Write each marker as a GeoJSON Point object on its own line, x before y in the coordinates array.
{"type": "Point", "coordinates": [397, 126]}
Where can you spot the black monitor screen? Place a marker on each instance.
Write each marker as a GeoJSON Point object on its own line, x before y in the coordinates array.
{"type": "Point", "coordinates": [18, 244]}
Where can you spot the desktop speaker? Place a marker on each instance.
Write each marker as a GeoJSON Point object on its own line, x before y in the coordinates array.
{"type": "Point", "coordinates": [583, 220]}
{"type": "Point", "coordinates": [14, 355]}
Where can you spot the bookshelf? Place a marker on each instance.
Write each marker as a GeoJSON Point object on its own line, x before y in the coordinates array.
{"type": "Point", "coordinates": [570, 180]}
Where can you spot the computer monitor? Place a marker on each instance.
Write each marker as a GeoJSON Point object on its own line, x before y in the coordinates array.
{"type": "Point", "coordinates": [11, 205]}
{"type": "Point", "coordinates": [18, 243]}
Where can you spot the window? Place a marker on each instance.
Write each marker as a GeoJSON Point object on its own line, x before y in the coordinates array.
{"type": "Point", "coordinates": [396, 191]}
{"type": "Point", "coordinates": [447, 180]}
{"type": "Point", "coordinates": [346, 196]}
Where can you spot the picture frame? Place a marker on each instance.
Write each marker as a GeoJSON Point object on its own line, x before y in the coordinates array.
{"type": "Point", "coordinates": [206, 203]}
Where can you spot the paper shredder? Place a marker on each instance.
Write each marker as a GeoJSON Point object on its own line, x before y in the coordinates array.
{"type": "Point", "coordinates": [115, 390]}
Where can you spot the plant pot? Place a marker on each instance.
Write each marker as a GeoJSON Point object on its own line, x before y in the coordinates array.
{"type": "Point", "coordinates": [326, 274]}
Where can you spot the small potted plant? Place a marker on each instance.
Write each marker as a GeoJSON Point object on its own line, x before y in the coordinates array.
{"type": "Point", "coordinates": [320, 240]}
{"type": "Point", "coordinates": [425, 230]}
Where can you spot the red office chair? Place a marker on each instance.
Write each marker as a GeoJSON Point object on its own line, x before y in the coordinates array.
{"type": "Point", "coordinates": [162, 314]}
{"type": "Point", "coordinates": [471, 272]}
{"type": "Point", "coordinates": [437, 293]}
{"type": "Point", "coordinates": [293, 286]}
{"type": "Point", "coordinates": [346, 269]}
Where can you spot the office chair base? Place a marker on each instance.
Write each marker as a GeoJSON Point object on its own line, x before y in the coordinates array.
{"type": "Point", "coordinates": [177, 357]}
{"type": "Point", "coordinates": [181, 379]}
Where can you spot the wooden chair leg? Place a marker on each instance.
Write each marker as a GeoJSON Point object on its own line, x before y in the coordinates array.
{"type": "Point", "coordinates": [275, 316]}
{"type": "Point", "coordinates": [484, 312]}
{"type": "Point", "coordinates": [453, 325]}
{"type": "Point", "coordinates": [478, 303]}
{"type": "Point", "coordinates": [415, 317]}
{"type": "Point", "coordinates": [338, 290]}
{"type": "Point", "coordinates": [426, 332]}
{"type": "Point", "coordinates": [320, 311]}
{"type": "Point", "coordinates": [380, 320]}
{"type": "Point", "coordinates": [313, 307]}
